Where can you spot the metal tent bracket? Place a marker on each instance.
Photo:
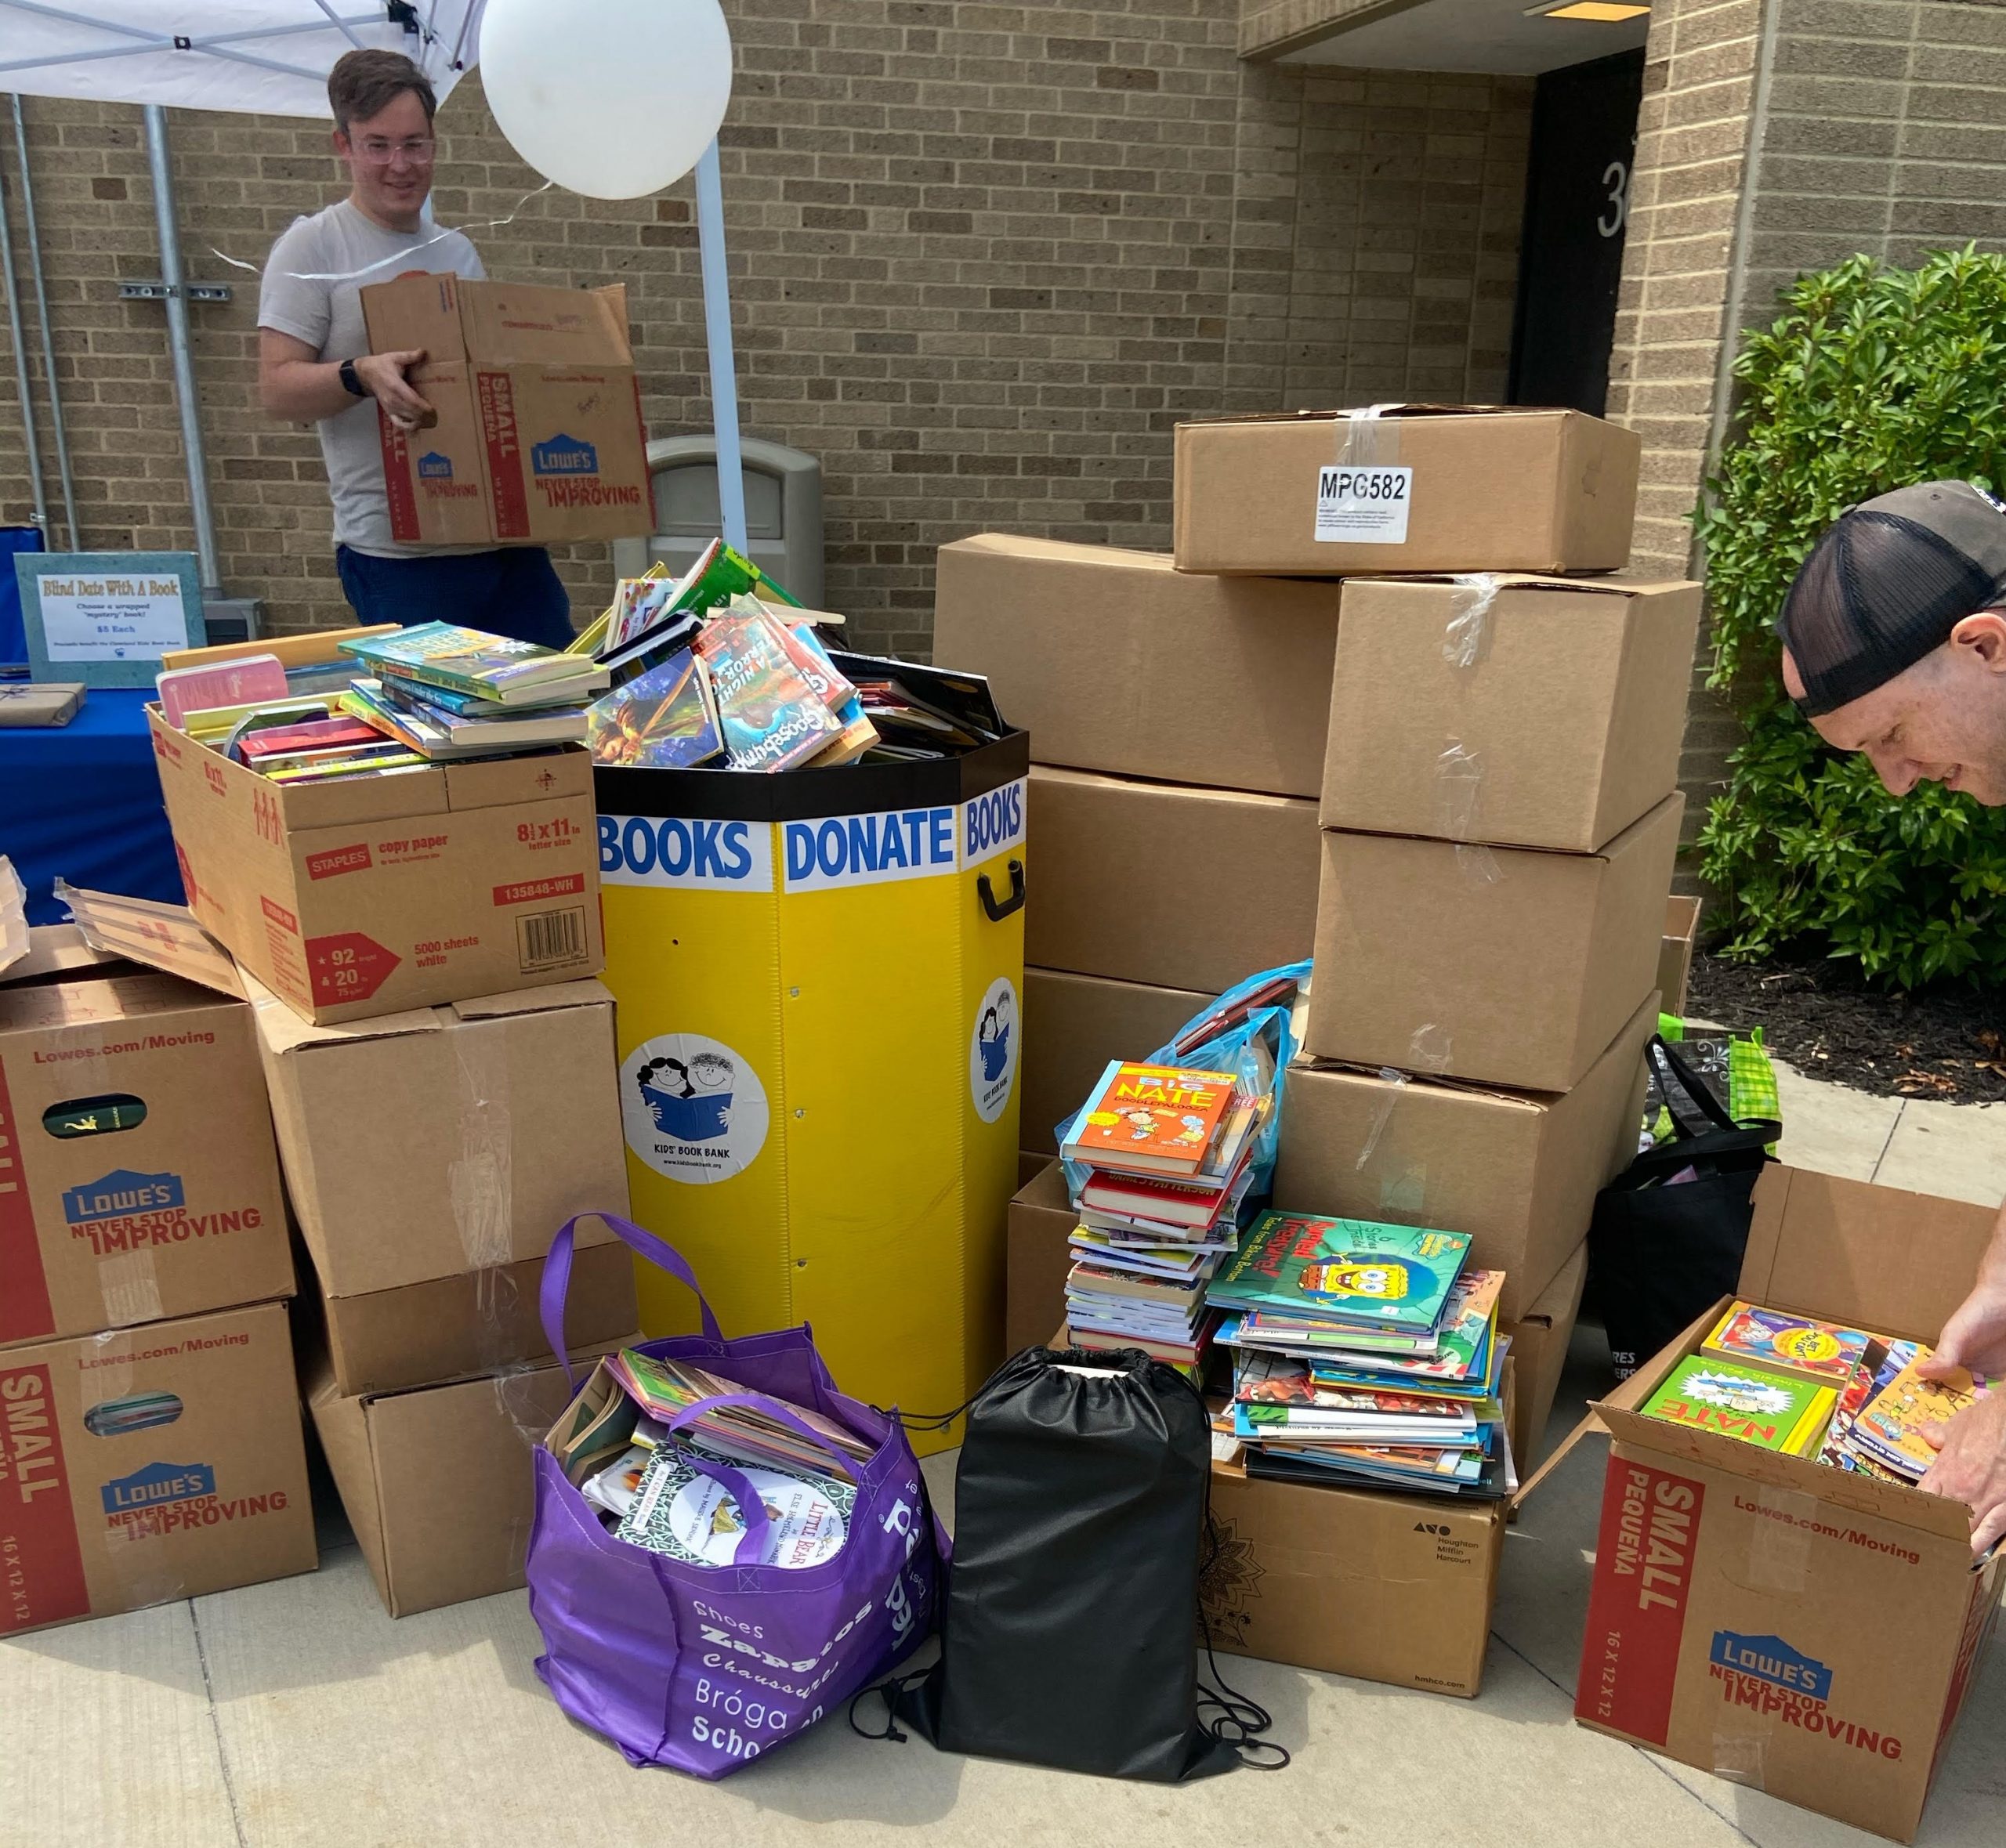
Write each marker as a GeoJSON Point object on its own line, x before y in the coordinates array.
{"type": "Point", "coordinates": [152, 289]}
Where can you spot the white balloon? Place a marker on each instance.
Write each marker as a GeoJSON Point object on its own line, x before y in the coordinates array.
{"type": "Point", "coordinates": [614, 99]}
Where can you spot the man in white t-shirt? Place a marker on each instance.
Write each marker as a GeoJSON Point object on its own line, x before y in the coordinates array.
{"type": "Point", "coordinates": [314, 365]}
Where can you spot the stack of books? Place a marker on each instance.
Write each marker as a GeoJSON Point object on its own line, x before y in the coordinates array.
{"type": "Point", "coordinates": [1851, 1398]}
{"type": "Point", "coordinates": [1364, 1353]}
{"type": "Point", "coordinates": [1163, 1156]}
{"type": "Point", "coordinates": [445, 693]}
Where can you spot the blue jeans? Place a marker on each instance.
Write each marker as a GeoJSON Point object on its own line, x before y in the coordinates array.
{"type": "Point", "coordinates": [513, 591]}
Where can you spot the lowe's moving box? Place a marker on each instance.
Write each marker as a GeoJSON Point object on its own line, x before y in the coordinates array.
{"type": "Point", "coordinates": [1776, 1621]}
{"type": "Point", "coordinates": [1523, 711]}
{"type": "Point", "coordinates": [1518, 1171]}
{"type": "Point", "coordinates": [819, 978]}
{"type": "Point", "coordinates": [539, 435]}
{"type": "Point", "coordinates": [1114, 662]}
{"type": "Point", "coordinates": [1074, 1024]}
{"type": "Point", "coordinates": [138, 1179]}
{"type": "Point", "coordinates": [430, 1155]}
{"type": "Point", "coordinates": [1502, 965]}
{"type": "Point", "coordinates": [1404, 487]}
{"type": "Point", "coordinates": [149, 1465]}
{"type": "Point", "coordinates": [352, 898]}
{"type": "Point", "coordinates": [1168, 883]}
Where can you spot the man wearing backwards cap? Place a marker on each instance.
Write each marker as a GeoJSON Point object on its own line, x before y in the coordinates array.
{"type": "Point", "coordinates": [1894, 636]}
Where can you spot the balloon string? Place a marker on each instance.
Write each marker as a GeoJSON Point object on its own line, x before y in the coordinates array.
{"type": "Point", "coordinates": [402, 256]}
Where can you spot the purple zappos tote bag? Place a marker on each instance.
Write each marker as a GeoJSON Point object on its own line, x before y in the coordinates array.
{"type": "Point", "coordinates": [703, 1668]}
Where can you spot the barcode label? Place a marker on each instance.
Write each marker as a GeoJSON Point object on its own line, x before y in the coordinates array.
{"type": "Point", "coordinates": [1364, 506]}
{"type": "Point", "coordinates": [551, 939]}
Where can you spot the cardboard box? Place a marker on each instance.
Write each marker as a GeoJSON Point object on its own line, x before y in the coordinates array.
{"type": "Point", "coordinates": [1160, 883]}
{"type": "Point", "coordinates": [1542, 712]}
{"type": "Point", "coordinates": [1114, 662]}
{"type": "Point", "coordinates": [1074, 1024]}
{"type": "Point", "coordinates": [1681, 938]}
{"type": "Point", "coordinates": [1787, 1625]}
{"type": "Point", "coordinates": [1504, 965]}
{"type": "Point", "coordinates": [149, 1465]}
{"type": "Point", "coordinates": [1540, 1339]}
{"type": "Point", "coordinates": [1388, 1588]}
{"type": "Point", "coordinates": [366, 897]}
{"type": "Point", "coordinates": [1519, 1172]}
{"type": "Point", "coordinates": [138, 1179]}
{"type": "Point", "coordinates": [539, 436]}
{"type": "Point", "coordinates": [1420, 488]}
{"type": "Point", "coordinates": [437, 1483]}
{"type": "Point", "coordinates": [1042, 1222]}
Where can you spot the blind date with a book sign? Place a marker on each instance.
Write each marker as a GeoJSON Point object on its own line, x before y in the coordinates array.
{"type": "Point", "coordinates": [103, 618]}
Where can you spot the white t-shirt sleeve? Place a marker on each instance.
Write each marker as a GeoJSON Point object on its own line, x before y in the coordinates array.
{"type": "Point", "coordinates": [286, 303]}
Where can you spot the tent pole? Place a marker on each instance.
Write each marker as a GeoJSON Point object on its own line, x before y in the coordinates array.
{"type": "Point", "coordinates": [33, 443]}
{"type": "Point", "coordinates": [717, 329]}
{"type": "Point", "coordinates": [47, 339]}
{"type": "Point", "coordinates": [179, 350]}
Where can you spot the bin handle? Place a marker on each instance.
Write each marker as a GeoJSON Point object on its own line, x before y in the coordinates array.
{"type": "Point", "coordinates": [557, 1279]}
{"type": "Point", "coordinates": [986, 893]}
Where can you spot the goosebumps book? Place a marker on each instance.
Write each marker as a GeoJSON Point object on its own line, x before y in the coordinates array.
{"type": "Point", "coordinates": [770, 714]}
{"type": "Point", "coordinates": [1156, 1119]}
{"type": "Point", "coordinates": [1704, 1393]}
{"type": "Point", "coordinates": [1355, 1271]}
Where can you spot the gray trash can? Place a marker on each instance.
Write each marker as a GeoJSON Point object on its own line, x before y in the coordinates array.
{"type": "Point", "coordinates": [783, 511]}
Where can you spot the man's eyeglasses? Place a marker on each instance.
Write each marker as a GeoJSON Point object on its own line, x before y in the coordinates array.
{"type": "Point", "coordinates": [380, 153]}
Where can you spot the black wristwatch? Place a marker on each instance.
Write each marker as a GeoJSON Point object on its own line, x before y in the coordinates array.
{"type": "Point", "coordinates": [352, 380]}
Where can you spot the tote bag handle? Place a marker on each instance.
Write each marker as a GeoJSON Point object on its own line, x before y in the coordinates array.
{"type": "Point", "coordinates": [752, 1510]}
{"type": "Point", "coordinates": [557, 1279]}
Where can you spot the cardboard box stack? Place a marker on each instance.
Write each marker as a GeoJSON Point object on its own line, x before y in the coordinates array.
{"type": "Point", "coordinates": [1177, 726]}
{"type": "Point", "coordinates": [150, 1443]}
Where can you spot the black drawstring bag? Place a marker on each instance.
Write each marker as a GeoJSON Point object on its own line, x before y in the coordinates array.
{"type": "Point", "coordinates": [1661, 1250]}
{"type": "Point", "coordinates": [1070, 1630]}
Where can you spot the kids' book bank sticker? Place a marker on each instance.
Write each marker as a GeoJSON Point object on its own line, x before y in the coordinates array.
{"type": "Point", "coordinates": [993, 1049]}
{"type": "Point", "coordinates": [692, 1109]}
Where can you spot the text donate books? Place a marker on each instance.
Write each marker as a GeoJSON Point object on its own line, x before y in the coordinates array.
{"type": "Point", "coordinates": [1150, 1119]}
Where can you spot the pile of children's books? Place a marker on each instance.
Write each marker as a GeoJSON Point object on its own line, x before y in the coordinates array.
{"type": "Point", "coordinates": [1849, 1397]}
{"type": "Point", "coordinates": [1363, 1353]}
{"type": "Point", "coordinates": [654, 1487]}
{"type": "Point", "coordinates": [1167, 1156]}
{"type": "Point", "coordinates": [721, 667]}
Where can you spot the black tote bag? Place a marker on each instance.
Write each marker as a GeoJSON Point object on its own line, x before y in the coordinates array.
{"type": "Point", "coordinates": [1662, 1249]}
{"type": "Point", "coordinates": [1069, 1634]}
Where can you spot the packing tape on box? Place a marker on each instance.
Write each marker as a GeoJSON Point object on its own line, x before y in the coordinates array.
{"type": "Point", "coordinates": [1368, 438]}
{"type": "Point", "coordinates": [1458, 781]}
{"type": "Point", "coordinates": [129, 1286]}
{"type": "Point", "coordinates": [132, 1535]}
{"type": "Point", "coordinates": [1738, 1757]}
{"type": "Point", "coordinates": [1780, 1542]}
{"type": "Point", "coordinates": [1477, 863]}
{"type": "Point", "coordinates": [1395, 1083]}
{"type": "Point", "coordinates": [481, 1179]}
{"type": "Point", "coordinates": [1466, 635]}
{"type": "Point", "coordinates": [1429, 1050]}
{"type": "Point", "coordinates": [1402, 1192]}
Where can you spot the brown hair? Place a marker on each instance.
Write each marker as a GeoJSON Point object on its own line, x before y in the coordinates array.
{"type": "Point", "coordinates": [362, 84]}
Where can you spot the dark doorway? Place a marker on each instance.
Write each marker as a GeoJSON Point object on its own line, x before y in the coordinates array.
{"type": "Point", "coordinates": [1577, 207]}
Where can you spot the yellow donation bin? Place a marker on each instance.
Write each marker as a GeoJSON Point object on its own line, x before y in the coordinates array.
{"type": "Point", "coordinates": [819, 975]}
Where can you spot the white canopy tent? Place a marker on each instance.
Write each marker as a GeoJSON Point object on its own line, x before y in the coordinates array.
{"type": "Point", "coordinates": [272, 57]}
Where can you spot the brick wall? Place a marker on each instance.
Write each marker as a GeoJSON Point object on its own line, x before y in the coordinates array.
{"type": "Point", "coordinates": [983, 257]}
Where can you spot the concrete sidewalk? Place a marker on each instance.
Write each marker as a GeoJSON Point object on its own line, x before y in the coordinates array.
{"type": "Point", "coordinates": [296, 1715]}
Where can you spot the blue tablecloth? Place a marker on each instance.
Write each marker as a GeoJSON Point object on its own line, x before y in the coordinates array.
{"type": "Point", "coordinates": [83, 800]}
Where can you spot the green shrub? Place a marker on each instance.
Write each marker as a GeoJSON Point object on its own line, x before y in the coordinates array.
{"type": "Point", "coordinates": [1872, 379]}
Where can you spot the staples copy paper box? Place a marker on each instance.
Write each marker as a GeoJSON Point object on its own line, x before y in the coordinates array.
{"type": "Point", "coordinates": [539, 435]}
{"type": "Point", "coordinates": [1778, 1622]}
{"type": "Point", "coordinates": [152, 1464]}
{"type": "Point", "coordinates": [368, 895]}
{"type": "Point", "coordinates": [1416, 487]}
{"type": "Point", "coordinates": [138, 1178]}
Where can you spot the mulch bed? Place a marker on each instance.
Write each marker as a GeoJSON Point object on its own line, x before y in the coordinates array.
{"type": "Point", "coordinates": [1947, 1041]}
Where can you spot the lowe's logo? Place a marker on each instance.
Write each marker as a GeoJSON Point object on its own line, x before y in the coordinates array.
{"type": "Point", "coordinates": [121, 1192]}
{"type": "Point", "coordinates": [1771, 1659]}
{"type": "Point", "coordinates": [564, 455]}
{"type": "Point", "coordinates": [432, 466]}
{"type": "Point", "coordinates": [158, 1483]}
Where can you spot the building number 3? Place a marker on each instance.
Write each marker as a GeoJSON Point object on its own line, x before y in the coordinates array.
{"type": "Point", "coordinates": [1616, 176]}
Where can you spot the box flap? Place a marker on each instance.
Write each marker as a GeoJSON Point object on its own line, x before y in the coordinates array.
{"type": "Point", "coordinates": [59, 953]}
{"type": "Point", "coordinates": [342, 1426]}
{"type": "Point", "coordinates": [417, 311]}
{"type": "Point", "coordinates": [164, 937]}
{"type": "Point", "coordinates": [1866, 1256]}
{"type": "Point", "coordinates": [1537, 1102]}
{"type": "Point", "coordinates": [282, 1031]}
{"type": "Point", "coordinates": [1384, 410]}
{"type": "Point", "coordinates": [526, 324]}
{"type": "Point", "coordinates": [1608, 585]}
{"type": "Point", "coordinates": [542, 777]}
{"type": "Point", "coordinates": [586, 993]}
{"type": "Point", "coordinates": [13, 915]}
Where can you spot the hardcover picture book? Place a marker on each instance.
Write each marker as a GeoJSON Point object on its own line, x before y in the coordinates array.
{"type": "Point", "coordinates": [1342, 1271]}
{"type": "Point", "coordinates": [1821, 1352]}
{"type": "Point", "coordinates": [1152, 1119]}
{"type": "Point", "coordinates": [1704, 1392]}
